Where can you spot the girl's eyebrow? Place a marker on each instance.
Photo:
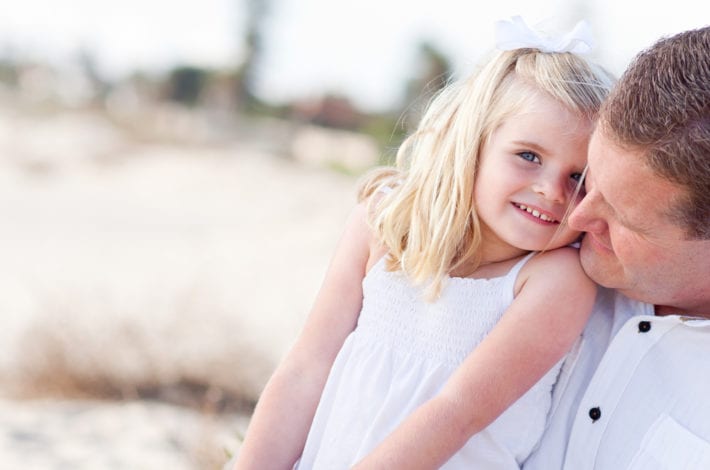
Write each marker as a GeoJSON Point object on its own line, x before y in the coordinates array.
{"type": "Point", "coordinates": [532, 145]}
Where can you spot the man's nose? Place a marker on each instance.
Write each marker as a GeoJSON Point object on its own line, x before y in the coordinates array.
{"type": "Point", "coordinates": [585, 217]}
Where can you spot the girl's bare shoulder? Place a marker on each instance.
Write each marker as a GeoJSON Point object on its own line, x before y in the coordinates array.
{"type": "Point", "coordinates": [555, 268]}
{"type": "Point", "coordinates": [359, 223]}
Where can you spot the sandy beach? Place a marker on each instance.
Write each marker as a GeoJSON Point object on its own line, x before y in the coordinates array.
{"type": "Point", "coordinates": [148, 289]}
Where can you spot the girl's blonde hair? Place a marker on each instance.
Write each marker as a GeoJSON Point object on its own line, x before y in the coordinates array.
{"type": "Point", "coordinates": [427, 219]}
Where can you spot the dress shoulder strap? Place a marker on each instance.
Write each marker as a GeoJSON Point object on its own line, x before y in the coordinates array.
{"type": "Point", "coordinates": [512, 275]}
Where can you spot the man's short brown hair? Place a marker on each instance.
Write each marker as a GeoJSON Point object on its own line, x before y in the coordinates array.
{"type": "Point", "coordinates": [661, 109]}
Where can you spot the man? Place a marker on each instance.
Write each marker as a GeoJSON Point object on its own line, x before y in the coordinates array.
{"type": "Point", "coordinates": [635, 392]}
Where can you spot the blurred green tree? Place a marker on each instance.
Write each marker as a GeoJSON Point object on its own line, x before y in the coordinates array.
{"type": "Point", "coordinates": [9, 66]}
{"type": "Point", "coordinates": [186, 83]}
{"type": "Point", "coordinates": [257, 11]}
{"type": "Point", "coordinates": [432, 72]}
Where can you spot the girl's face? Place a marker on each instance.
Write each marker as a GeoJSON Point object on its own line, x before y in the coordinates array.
{"type": "Point", "coordinates": [527, 175]}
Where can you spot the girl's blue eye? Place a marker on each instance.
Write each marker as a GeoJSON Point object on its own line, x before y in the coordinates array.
{"type": "Point", "coordinates": [578, 181]}
{"type": "Point", "coordinates": [529, 156]}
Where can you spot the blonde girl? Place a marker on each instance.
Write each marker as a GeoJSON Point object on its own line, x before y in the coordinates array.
{"type": "Point", "coordinates": [454, 294]}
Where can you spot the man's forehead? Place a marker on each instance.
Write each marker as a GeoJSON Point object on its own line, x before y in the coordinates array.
{"type": "Point", "coordinates": [599, 146]}
{"type": "Point", "coordinates": [613, 161]}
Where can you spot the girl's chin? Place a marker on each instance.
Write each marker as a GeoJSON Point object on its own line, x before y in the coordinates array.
{"type": "Point", "coordinates": [566, 239]}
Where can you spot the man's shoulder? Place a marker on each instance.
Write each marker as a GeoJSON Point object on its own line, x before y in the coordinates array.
{"type": "Point", "coordinates": [613, 307]}
{"type": "Point", "coordinates": [611, 311]}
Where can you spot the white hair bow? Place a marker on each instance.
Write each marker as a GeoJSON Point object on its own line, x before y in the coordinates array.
{"type": "Point", "coordinates": [515, 34]}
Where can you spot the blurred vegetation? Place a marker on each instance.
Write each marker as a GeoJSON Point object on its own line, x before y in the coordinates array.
{"type": "Point", "coordinates": [8, 72]}
{"type": "Point", "coordinates": [186, 84]}
{"type": "Point", "coordinates": [230, 91]}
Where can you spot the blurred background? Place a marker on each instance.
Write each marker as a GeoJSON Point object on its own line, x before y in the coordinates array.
{"type": "Point", "coordinates": [173, 179]}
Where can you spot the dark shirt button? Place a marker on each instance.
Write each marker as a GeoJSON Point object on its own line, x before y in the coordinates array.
{"type": "Point", "coordinates": [644, 326]}
{"type": "Point", "coordinates": [595, 413]}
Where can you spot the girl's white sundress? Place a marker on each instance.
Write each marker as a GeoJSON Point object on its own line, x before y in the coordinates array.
{"type": "Point", "coordinates": [400, 355]}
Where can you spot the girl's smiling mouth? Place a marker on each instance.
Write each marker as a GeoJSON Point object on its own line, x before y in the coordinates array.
{"type": "Point", "coordinates": [536, 213]}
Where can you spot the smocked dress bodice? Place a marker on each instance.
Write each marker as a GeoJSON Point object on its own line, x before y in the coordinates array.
{"type": "Point", "coordinates": [401, 353]}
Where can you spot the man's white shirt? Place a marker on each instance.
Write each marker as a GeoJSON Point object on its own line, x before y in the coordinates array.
{"type": "Point", "coordinates": [634, 393]}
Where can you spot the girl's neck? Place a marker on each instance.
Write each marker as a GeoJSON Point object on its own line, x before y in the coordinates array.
{"type": "Point", "coordinates": [498, 252]}
{"type": "Point", "coordinates": [489, 267]}
{"type": "Point", "coordinates": [494, 249]}
{"type": "Point", "coordinates": [496, 256]}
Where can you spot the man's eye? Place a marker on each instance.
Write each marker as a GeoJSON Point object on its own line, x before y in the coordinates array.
{"type": "Point", "coordinates": [576, 176]}
{"type": "Point", "coordinates": [529, 156]}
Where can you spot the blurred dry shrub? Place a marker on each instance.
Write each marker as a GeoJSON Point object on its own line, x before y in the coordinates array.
{"type": "Point", "coordinates": [191, 352]}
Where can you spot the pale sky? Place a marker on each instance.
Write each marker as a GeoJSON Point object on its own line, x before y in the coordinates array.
{"type": "Point", "coordinates": [364, 49]}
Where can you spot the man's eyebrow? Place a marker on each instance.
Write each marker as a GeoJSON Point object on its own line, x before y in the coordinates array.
{"type": "Point", "coordinates": [587, 172]}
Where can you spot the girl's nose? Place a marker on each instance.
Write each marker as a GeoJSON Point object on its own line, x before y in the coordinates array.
{"type": "Point", "coordinates": [553, 189]}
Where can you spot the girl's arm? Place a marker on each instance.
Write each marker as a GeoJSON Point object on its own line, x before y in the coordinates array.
{"type": "Point", "coordinates": [283, 415]}
{"type": "Point", "coordinates": [552, 305]}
